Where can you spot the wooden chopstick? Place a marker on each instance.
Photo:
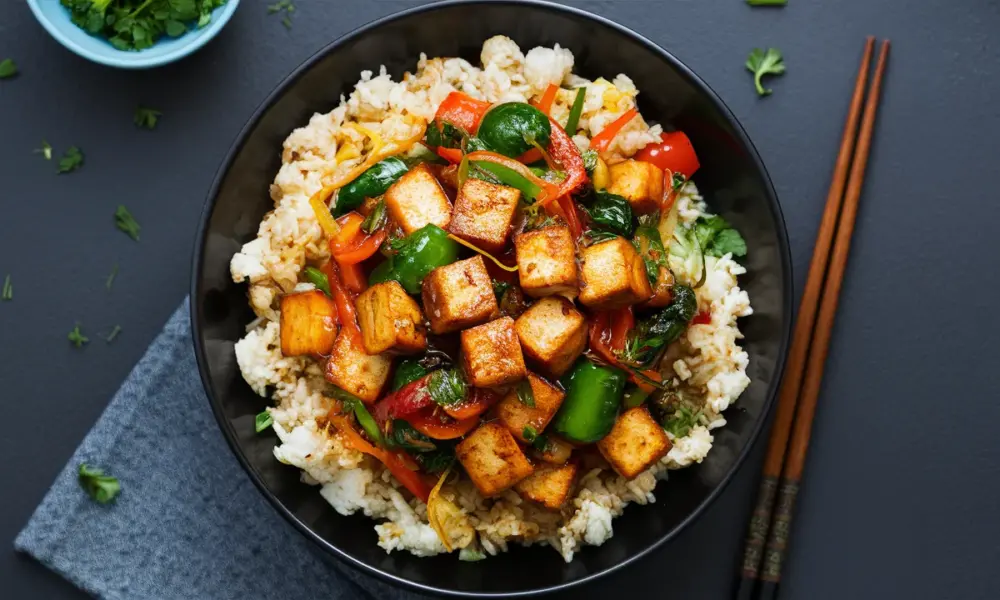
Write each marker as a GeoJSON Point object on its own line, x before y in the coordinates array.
{"type": "Point", "coordinates": [777, 541]}
{"type": "Point", "coordinates": [802, 341]}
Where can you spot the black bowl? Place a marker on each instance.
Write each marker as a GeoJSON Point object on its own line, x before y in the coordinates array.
{"type": "Point", "coordinates": [732, 178]}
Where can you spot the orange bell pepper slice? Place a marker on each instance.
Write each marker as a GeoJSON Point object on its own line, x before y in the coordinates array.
{"type": "Point", "coordinates": [602, 140]}
{"type": "Point", "coordinates": [462, 111]}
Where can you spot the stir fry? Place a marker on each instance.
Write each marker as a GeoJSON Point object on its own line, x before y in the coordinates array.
{"type": "Point", "coordinates": [497, 301]}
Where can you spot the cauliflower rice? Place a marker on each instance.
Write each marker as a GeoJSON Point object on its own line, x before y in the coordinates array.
{"type": "Point", "coordinates": [710, 366]}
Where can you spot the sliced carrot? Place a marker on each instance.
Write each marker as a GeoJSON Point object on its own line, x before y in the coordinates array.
{"type": "Point", "coordinates": [602, 140]}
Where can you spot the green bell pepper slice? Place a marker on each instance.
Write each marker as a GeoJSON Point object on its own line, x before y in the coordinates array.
{"type": "Point", "coordinates": [593, 396]}
{"type": "Point", "coordinates": [416, 255]}
{"type": "Point", "coordinates": [373, 182]}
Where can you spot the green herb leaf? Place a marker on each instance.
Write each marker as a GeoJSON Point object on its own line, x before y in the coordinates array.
{"type": "Point", "coordinates": [7, 293]}
{"type": "Point", "coordinates": [767, 2]}
{"type": "Point", "coordinates": [654, 333]}
{"type": "Point", "coordinates": [100, 487]}
{"type": "Point", "coordinates": [529, 433]}
{"type": "Point", "coordinates": [71, 161]}
{"type": "Point", "coordinates": [446, 387]}
{"type": "Point", "coordinates": [262, 421]}
{"type": "Point", "coordinates": [525, 394]}
{"type": "Point", "coordinates": [407, 372]}
{"type": "Point", "coordinates": [146, 117]}
{"type": "Point", "coordinates": [677, 181]}
{"type": "Point", "coordinates": [402, 435]}
{"type": "Point", "coordinates": [437, 461]}
{"type": "Point", "coordinates": [114, 333]}
{"type": "Point", "coordinates": [319, 279]}
{"type": "Point", "coordinates": [127, 223]}
{"type": "Point", "coordinates": [468, 554]}
{"type": "Point", "coordinates": [77, 338]}
{"type": "Point", "coordinates": [7, 68]}
{"type": "Point", "coordinates": [589, 160]}
{"type": "Point", "coordinates": [717, 238]}
{"type": "Point", "coordinates": [45, 150]}
{"type": "Point", "coordinates": [278, 6]}
{"type": "Point", "coordinates": [762, 63]}
{"type": "Point", "coordinates": [286, 22]}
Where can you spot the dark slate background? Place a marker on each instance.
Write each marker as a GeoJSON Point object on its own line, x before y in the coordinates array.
{"type": "Point", "coordinates": [902, 482]}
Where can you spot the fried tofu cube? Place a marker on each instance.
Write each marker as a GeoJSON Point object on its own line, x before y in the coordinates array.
{"type": "Point", "coordinates": [635, 443]}
{"type": "Point", "coordinates": [459, 295]}
{"type": "Point", "coordinates": [390, 320]}
{"type": "Point", "coordinates": [418, 199]}
{"type": "Point", "coordinates": [517, 416]}
{"type": "Point", "coordinates": [640, 183]}
{"type": "Point", "coordinates": [549, 485]}
{"type": "Point", "coordinates": [483, 213]}
{"type": "Point", "coordinates": [613, 275]}
{"type": "Point", "coordinates": [355, 371]}
{"type": "Point", "coordinates": [546, 261]}
{"type": "Point", "coordinates": [491, 354]}
{"type": "Point", "coordinates": [492, 458]}
{"type": "Point", "coordinates": [308, 323]}
{"type": "Point", "coordinates": [556, 452]}
{"type": "Point", "coordinates": [553, 333]}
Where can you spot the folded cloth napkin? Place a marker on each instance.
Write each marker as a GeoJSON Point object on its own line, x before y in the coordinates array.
{"type": "Point", "coordinates": [188, 522]}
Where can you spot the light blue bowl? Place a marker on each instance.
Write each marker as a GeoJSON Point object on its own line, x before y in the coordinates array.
{"type": "Point", "coordinates": [55, 19]}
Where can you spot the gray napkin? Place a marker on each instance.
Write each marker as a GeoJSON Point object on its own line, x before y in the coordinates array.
{"type": "Point", "coordinates": [188, 522]}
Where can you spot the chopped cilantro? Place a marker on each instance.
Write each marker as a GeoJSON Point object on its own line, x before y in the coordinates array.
{"type": "Point", "coordinates": [525, 394]}
{"type": "Point", "coordinates": [138, 24]}
{"type": "Point", "coordinates": [8, 289]}
{"type": "Point", "coordinates": [262, 421]}
{"type": "Point", "coordinates": [102, 488]}
{"type": "Point", "coordinates": [7, 68]}
{"type": "Point", "coordinates": [147, 118]}
{"type": "Point", "coordinates": [114, 333]}
{"type": "Point", "coordinates": [77, 338]}
{"type": "Point", "coordinates": [127, 223]}
{"type": "Point", "coordinates": [111, 277]}
{"type": "Point", "coordinates": [71, 161]}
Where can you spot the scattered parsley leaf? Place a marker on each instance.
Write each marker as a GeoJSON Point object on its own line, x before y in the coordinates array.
{"type": "Point", "coordinates": [319, 279]}
{"type": "Point", "coordinates": [762, 63]}
{"type": "Point", "coordinates": [262, 421]}
{"type": "Point", "coordinates": [111, 277]}
{"type": "Point", "coordinates": [7, 68]}
{"type": "Point", "coordinates": [45, 150]}
{"type": "Point", "coordinates": [71, 161]}
{"type": "Point", "coordinates": [717, 237]}
{"type": "Point", "coordinates": [102, 488]}
{"type": "Point", "coordinates": [127, 223]}
{"type": "Point", "coordinates": [8, 290]}
{"type": "Point", "coordinates": [114, 333]}
{"type": "Point", "coordinates": [146, 117]}
{"type": "Point", "coordinates": [77, 338]}
{"type": "Point", "coordinates": [525, 394]}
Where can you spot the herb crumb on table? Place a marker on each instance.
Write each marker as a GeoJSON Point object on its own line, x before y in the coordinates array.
{"type": "Point", "coordinates": [77, 338]}
{"type": "Point", "coordinates": [7, 68]}
{"type": "Point", "coordinates": [146, 118]}
{"type": "Point", "coordinates": [762, 63]}
{"type": "Point", "coordinates": [8, 290]}
{"type": "Point", "coordinates": [127, 223]}
{"type": "Point", "coordinates": [71, 160]}
{"type": "Point", "coordinates": [100, 487]}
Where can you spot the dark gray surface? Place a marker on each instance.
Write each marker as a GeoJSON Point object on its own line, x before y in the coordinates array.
{"type": "Point", "coordinates": [902, 478]}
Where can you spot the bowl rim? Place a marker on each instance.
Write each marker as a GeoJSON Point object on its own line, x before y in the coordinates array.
{"type": "Point", "coordinates": [202, 236]}
{"type": "Point", "coordinates": [135, 60]}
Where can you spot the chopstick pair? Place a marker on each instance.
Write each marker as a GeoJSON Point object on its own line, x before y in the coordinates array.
{"type": "Point", "coordinates": [770, 524]}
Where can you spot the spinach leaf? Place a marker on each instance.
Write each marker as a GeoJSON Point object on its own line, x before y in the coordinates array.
{"type": "Point", "coordinates": [513, 128]}
{"type": "Point", "coordinates": [609, 212]}
{"type": "Point", "coordinates": [718, 238]}
{"type": "Point", "coordinates": [654, 333]}
{"type": "Point", "coordinates": [407, 372]}
{"type": "Point", "coordinates": [446, 387]}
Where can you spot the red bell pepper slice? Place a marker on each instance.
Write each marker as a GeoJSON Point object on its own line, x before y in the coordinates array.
{"type": "Point", "coordinates": [462, 111]}
{"type": "Point", "coordinates": [407, 400]}
{"type": "Point", "coordinates": [441, 427]}
{"type": "Point", "coordinates": [622, 322]}
{"type": "Point", "coordinates": [602, 334]}
{"type": "Point", "coordinates": [365, 249]}
{"type": "Point", "coordinates": [702, 318]}
{"type": "Point", "coordinates": [602, 140]}
{"type": "Point", "coordinates": [564, 151]}
{"type": "Point", "coordinates": [410, 479]}
{"type": "Point", "coordinates": [452, 155]}
{"type": "Point", "coordinates": [345, 304]}
{"type": "Point", "coordinates": [477, 402]}
{"type": "Point", "coordinates": [673, 153]}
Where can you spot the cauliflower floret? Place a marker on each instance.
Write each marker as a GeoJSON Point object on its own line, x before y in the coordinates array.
{"type": "Point", "coordinates": [501, 51]}
{"type": "Point", "coordinates": [543, 66]}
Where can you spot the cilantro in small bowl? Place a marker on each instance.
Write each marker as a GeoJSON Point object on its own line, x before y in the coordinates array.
{"type": "Point", "coordinates": [133, 34]}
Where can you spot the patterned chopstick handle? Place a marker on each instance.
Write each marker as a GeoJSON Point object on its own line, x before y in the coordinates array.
{"type": "Point", "coordinates": [777, 541]}
{"type": "Point", "coordinates": [759, 524]}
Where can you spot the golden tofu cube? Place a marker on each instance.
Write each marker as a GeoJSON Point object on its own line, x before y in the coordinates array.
{"type": "Point", "coordinates": [663, 289]}
{"type": "Point", "coordinates": [459, 295]}
{"type": "Point", "coordinates": [390, 320]}
{"type": "Point", "coordinates": [483, 213]}
{"type": "Point", "coordinates": [556, 452]}
{"type": "Point", "coordinates": [635, 443]}
{"type": "Point", "coordinates": [308, 323]}
{"type": "Point", "coordinates": [492, 458]}
{"type": "Point", "coordinates": [640, 183]}
{"type": "Point", "coordinates": [546, 261]}
{"type": "Point", "coordinates": [418, 199]}
{"type": "Point", "coordinates": [517, 416]}
{"type": "Point", "coordinates": [355, 371]}
{"type": "Point", "coordinates": [553, 333]}
{"type": "Point", "coordinates": [549, 485]}
{"type": "Point", "coordinates": [491, 354]}
{"type": "Point", "coordinates": [613, 275]}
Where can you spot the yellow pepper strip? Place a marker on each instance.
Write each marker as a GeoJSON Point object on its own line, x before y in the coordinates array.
{"type": "Point", "coordinates": [432, 513]}
{"type": "Point", "coordinates": [326, 221]}
{"type": "Point", "coordinates": [484, 253]}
